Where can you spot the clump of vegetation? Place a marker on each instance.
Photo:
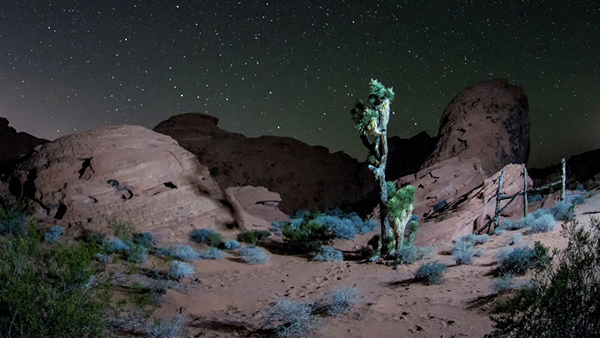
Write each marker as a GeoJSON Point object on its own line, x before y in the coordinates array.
{"type": "Point", "coordinates": [504, 284]}
{"type": "Point", "coordinates": [507, 224]}
{"type": "Point", "coordinates": [137, 253]}
{"type": "Point", "coordinates": [180, 270]}
{"type": "Point", "coordinates": [145, 239]}
{"type": "Point", "coordinates": [410, 254]}
{"type": "Point", "coordinates": [400, 207]}
{"type": "Point", "coordinates": [181, 252]}
{"type": "Point", "coordinates": [562, 299]}
{"type": "Point", "coordinates": [563, 211]}
{"type": "Point", "coordinates": [12, 217]}
{"type": "Point", "coordinates": [253, 236]}
{"type": "Point", "coordinates": [212, 253]}
{"type": "Point", "coordinates": [53, 234]}
{"type": "Point", "coordinates": [340, 300]}
{"type": "Point", "coordinates": [145, 296]}
{"type": "Point", "coordinates": [520, 260]}
{"type": "Point", "coordinates": [166, 328]}
{"type": "Point", "coordinates": [294, 319]}
{"type": "Point", "coordinates": [306, 236]}
{"type": "Point", "coordinates": [51, 290]}
{"type": "Point", "coordinates": [540, 220]}
{"type": "Point", "coordinates": [464, 249]}
{"type": "Point", "coordinates": [122, 230]}
{"type": "Point", "coordinates": [431, 273]}
{"type": "Point", "coordinates": [253, 255]}
{"type": "Point", "coordinates": [231, 245]}
{"type": "Point", "coordinates": [206, 236]}
{"type": "Point", "coordinates": [329, 253]}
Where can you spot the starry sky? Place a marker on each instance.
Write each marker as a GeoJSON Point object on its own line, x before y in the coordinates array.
{"type": "Point", "coordinates": [296, 67]}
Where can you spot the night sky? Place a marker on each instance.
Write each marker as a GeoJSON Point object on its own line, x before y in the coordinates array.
{"type": "Point", "coordinates": [295, 68]}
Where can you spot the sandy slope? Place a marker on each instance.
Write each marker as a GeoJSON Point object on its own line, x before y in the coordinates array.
{"type": "Point", "coordinates": [230, 299]}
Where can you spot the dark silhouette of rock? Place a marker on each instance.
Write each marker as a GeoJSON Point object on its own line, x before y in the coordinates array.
{"type": "Point", "coordinates": [306, 177]}
{"type": "Point", "coordinates": [14, 145]}
{"type": "Point", "coordinates": [488, 121]}
{"type": "Point", "coordinates": [583, 168]}
{"type": "Point", "coordinates": [406, 156]}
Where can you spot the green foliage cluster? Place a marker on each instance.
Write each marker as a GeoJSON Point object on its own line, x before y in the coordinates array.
{"type": "Point", "coordinates": [206, 236]}
{"type": "Point", "coordinates": [562, 299]}
{"type": "Point", "coordinates": [307, 236]}
{"type": "Point", "coordinates": [51, 290]}
{"type": "Point", "coordinates": [253, 236]}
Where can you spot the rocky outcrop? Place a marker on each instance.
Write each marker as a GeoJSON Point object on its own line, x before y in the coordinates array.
{"type": "Point", "coordinates": [15, 144]}
{"type": "Point", "coordinates": [406, 156]}
{"type": "Point", "coordinates": [122, 173]}
{"type": "Point", "coordinates": [306, 177]}
{"type": "Point", "coordinates": [583, 168]}
{"type": "Point", "coordinates": [254, 207]}
{"type": "Point", "coordinates": [488, 121]}
{"type": "Point", "coordinates": [471, 210]}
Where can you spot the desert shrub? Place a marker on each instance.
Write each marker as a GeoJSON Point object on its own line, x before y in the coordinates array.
{"type": "Point", "coordinates": [473, 239]}
{"type": "Point", "coordinates": [294, 319]}
{"type": "Point", "coordinates": [253, 255]}
{"type": "Point", "coordinates": [231, 245]}
{"type": "Point", "coordinates": [431, 273]}
{"type": "Point", "coordinates": [166, 328]}
{"type": "Point", "coordinates": [408, 254]}
{"type": "Point", "coordinates": [504, 284]}
{"type": "Point", "coordinates": [116, 245]}
{"type": "Point", "coordinates": [137, 253]}
{"type": "Point", "coordinates": [519, 260]}
{"type": "Point", "coordinates": [179, 270]}
{"type": "Point", "coordinates": [577, 199]}
{"type": "Point", "coordinates": [463, 252]}
{"type": "Point", "coordinates": [206, 236]}
{"type": "Point", "coordinates": [307, 236]}
{"type": "Point", "coordinates": [122, 230]}
{"type": "Point", "coordinates": [164, 252]}
{"type": "Point", "coordinates": [144, 296]}
{"type": "Point", "coordinates": [300, 214]}
{"type": "Point", "coordinates": [212, 253]}
{"type": "Point", "coordinates": [562, 299]}
{"type": "Point", "coordinates": [368, 226]}
{"type": "Point", "coordinates": [563, 211]}
{"type": "Point", "coordinates": [52, 234]}
{"type": "Point", "coordinates": [253, 236]}
{"type": "Point", "coordinates": [51, 290]}
{"type": "Point", "coordinates": [12, 220]}
{"type": "Point", "coordinates": [517, 239]}
{"type": "Point", "coordinates": [544, 223]}
{"type": "Point", "coordinates": [104, 258]}
{"type": "Point", "coordinates": [183, 253]}
{"type": "Point", "coordinates": [340, 300]}
{"type": "Point", "coordinates": [328, 253]}
{"type": "Point", "coordinates": [339, 227]}
{"type": "Point", "coordinates": [145, 239]}
{"type": "Point", "coordinates": [94, 238]}
{"type": "Point", "coordinates": [507, 224]}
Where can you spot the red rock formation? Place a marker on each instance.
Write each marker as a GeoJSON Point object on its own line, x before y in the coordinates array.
{"type": "Point", "coordinates": [122, 173]}
{"type": "Point", "coordinates": [254, 207]}
{"type": "Point", "coordinates": [306, 177]}
{"type": "Point", "coordinates": [15, 144]}
{"type": "Point", "coordinates": [488, 121]}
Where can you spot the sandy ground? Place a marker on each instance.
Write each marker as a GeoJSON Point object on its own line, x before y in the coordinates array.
{"type": "Point", "coordinates": [230, 299]}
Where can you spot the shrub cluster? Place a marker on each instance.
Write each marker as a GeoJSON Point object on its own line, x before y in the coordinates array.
{"type": "Point", "coordinates": [253, 236]}
{"type": "Point", "coordinates": [231, 245]}
{"type": "Point", "coordinates": [253, 255]}
{"type": "Point", "coordinates": [53, 234]}
{"type": "Point", "coordinates": [179, 270]}
{"type": "Point", "coordinates": [431, 273]}
{"type": "Point", "coordinates": [540, 220]}
{"type": "Point", "coordinates": [409, 254]}
{"type": "Point", "coordinates": [51, 290]}
{"type": "Point", "coordinates": [519, 260]}
{"type": "Point", "coordinates": [464, 249]}
{"type": "Point", "coordinates": [306, 236]}
{"type": "Point", "coordinates": [131, 251]}
{"type": "Point", "coordinates": [562, 300]}
{"type": "Point", "coordinates": [340, 300]}
{"type": "Point", "coordinates": [206, 236]}
{"type": "Point", "coordinates": [181, 252]}
{"type": "Point", "coordinates": [212, 253]}
{"type": "Point", "coordinates": [329, 253]}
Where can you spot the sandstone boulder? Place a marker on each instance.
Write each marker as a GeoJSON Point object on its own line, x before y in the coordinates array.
{"type": "Point", "coordinates": [306, 177]}
{"type": "Point", "coordinates": [254, 207]}
{"type": "Point", "coordinates": [122, 173]}
{"type": "Point", "coordinates": [488, 121]}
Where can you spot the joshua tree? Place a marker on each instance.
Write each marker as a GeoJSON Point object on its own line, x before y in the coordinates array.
{"type": "Point", "coordinates": [400, 207]}
{"type": "Point", "coordinates": [371, 122]}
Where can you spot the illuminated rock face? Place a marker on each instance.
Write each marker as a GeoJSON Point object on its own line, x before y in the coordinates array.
{"type": "Point", "coordinates": [122, 173]}
{"type": "Point", "coordinates": [488, 121]}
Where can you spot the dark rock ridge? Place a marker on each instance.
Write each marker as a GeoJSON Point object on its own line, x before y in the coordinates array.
{"type": "Point", "coordinates": [406, 156]}
{"type": "Point", "coordinates": [488, 121]}
{"type": "Point", "coordinates": [306, 177]}
{"type": "Point", "coordinates": [583, 168]}
{"type": "Point", "coordinates": [13, 145]}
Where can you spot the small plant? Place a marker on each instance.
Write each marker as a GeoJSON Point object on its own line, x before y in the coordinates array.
{"type": "Point", "coordinates": [410, 254]}
{"type": "Point", "coordinates": [339, 228]}
{"type": "Point", "coordinates": [563, 211]}
{"type": "Point", "coordinates": [232, 245]}
{"type": "Point", "coordinates": [540, 220]}
{"type": "Point", "coordinates": [519, 260]}
{"type": "Point", "coordinates": [12, 220]}
{"type": "Point", "coordinates": [212, 253]}
{"type": "Point", "coordinates": [431, 273]}
{"type": "Point", "coordinates": [116, 245]}
{"type": "Point", "coordinates": [473, 239]}
{"type": "Point", "coordinates": [294, 319]}
{"type": "Point", "coordinates": [577, 199]}
{"type": "Point", "coordinates": [463, 253]}
{"type": "Point", "coordinates": [517, 240]}
{"type": "Point", "coordinates": [329, 253]}
{"type": "Point", "coordinates": [183, 252]}
{"type": "Point", "coordinates": [504, 284]}
{"type": "Point", "coordinates": [145, 239]}
{"type": "Point", "coordinates": [253, 255]}
{"type": "Point", "coordinates": [166, 328]}
{"type": "Point", "coordinates": [180, 270]}
{"type": "Point", "coordinates": [144, 296]}
{"type": "Point", "coordinates": [164, 252]}
{"type": "Point", "coordinates": [122, 230]}
{"type": "Point", "coordinates": [52, 234]}
{"type": "Point", "coordinates": [253, 236]}
{"type": "Point", "coordinates": [137, 253]}
{"type": "Point", "coordinates": [206, 236]}
{"type": "Point", "coordinates": [507, 224]}
{"type": "Point", "coordinates": [341, 300]}
{"type": "Point", "coordinates": [307, 236]}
